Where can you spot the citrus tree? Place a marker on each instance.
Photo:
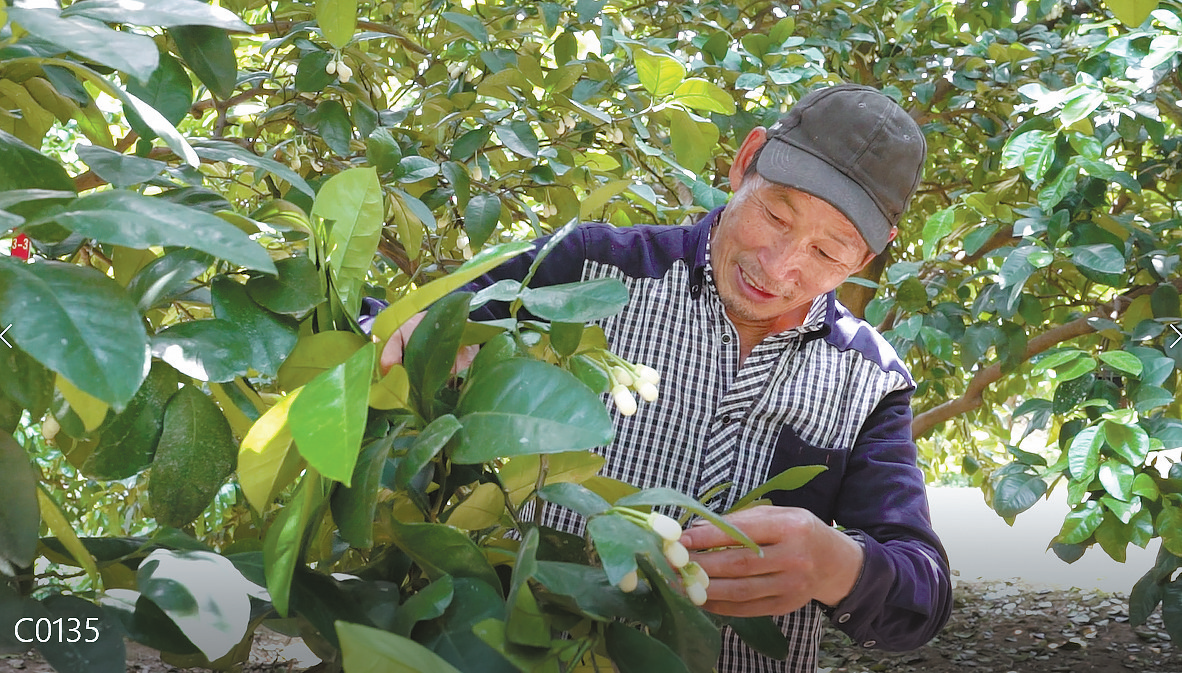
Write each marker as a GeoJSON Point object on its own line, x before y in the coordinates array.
{"type": "Point", "coordinates": [211, 195]}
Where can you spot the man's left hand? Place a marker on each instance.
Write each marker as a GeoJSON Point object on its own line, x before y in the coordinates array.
{"type": "Point", "coordinates": [803, 559]}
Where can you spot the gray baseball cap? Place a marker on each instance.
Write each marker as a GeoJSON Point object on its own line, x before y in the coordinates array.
{"type": "Point", "coordinates": [854, 147]}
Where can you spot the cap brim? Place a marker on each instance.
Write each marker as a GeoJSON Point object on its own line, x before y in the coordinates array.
{"type": "Point", "coordinates": [785, 164]}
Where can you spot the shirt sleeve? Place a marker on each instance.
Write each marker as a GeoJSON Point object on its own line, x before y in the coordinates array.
{"type": "Point", "coordinates": [563, 263]}
{"type": "Point", "coordinates": [904, 595]}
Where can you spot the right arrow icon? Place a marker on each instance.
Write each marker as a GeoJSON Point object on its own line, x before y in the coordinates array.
{"type": "Point", "coordinates": [1175, 328]}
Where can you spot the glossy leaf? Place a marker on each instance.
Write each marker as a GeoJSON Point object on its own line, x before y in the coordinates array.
{"type": "Point", "coordinates": [20, 519]}
{"type": "Point", "coordinates": [519, 137]}
{"type": "Point", "coordinates": [659, 74]}
{"type": "Point", "coordinates": [133, 54]}
{"type": "Point", "coordinates": [207, 50]}
{"type": "Point", "coordinates": [442, 550]}
{"type": "Point", "coordinates": [1129, 441]}
{"type": "Point", "coordinates": [119, 169]}
{"type": "Point", "coordinates": [166, 277]}
{"type": "Point", "coordinates": [588, 591]}
{"type": "Point", "coordinates": [353, 201]}
{"type": "Point", "coordinates": [337, 19]}
{"type": "Point", "coordinates": [368, 650]}
{"type": "Point", "coordinates": [221, 150]}
{"type": "Point", "coordinates": [574, 497]}
{"type": "Point", "coordinates": [29, 384]}
{"type": "Point", "coordinates": [453, 637]}
{"type": "Point", "coordinates": [195, 455]}
{"type": "Point", "coordinates": [297, 289]}
{"type": "Point", "coordinates": [272, 337]}
{"type": "Point", "coordinates": [169, 92]}
{"type": "Point", "coordinates": [634, 651]}
{"type": "Point", "coordinates": [353, 506]}
{"type": "Point", "coordinates": [426, 446]}
{"type": "Point", "coordinates": [202, 593]}
{"type": "Point", "coordinates": [788, 480]}
{"type": "Point", "coordinates": [432, 347]}
{"type": "Point", "coordinates": [521, 406]}
{"type": "Point", "coordinates": [172, 13]}
{"type": "Point", "coordinates": [519, 475]}
{"type": "Point", "coordinates": [577, 302]}
{"type": "Point", "coordinates": [76, 322]}
{"type": "Point", "coordinates": [469, 24]}
{"type": "Point", "coordinates": [701, 94]}
{"type": "Point", "coordinates": [1079, 525]}
{"type": "Point", "coordinates": [427, 603]}
{"type": "Point", "coordinates": [684, 628]}
{"type": "Point", "coordinates": [668, 496]}
{"type": "Point", "coordinates": [63, 530]}
{"type": "Point", "coordinates": [617, 542]}
{"type": "Point", "coordinates": [267, 462]}
{"type": "Point", "coordinates": [1016, 493]}
{"type": "Point", "coordinates": [207, 350]}
{"type": "Point", "coordinates": [135, 221]}
{"type": "Point", "coordinates": [285, 537]}
{"type": "Point", "coordinates": [481, 216]}
{"type": "Point", "coordinates": [317, 353]}
{"type": "Point", "coordinates": [328, 418]}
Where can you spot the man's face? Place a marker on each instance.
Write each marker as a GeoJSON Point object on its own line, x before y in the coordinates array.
{"type": "Point", "coordinates": [775, 249]}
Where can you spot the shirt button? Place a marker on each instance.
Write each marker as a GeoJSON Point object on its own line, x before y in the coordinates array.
{"type": "Point", "coordinates": [726, 419]}
{"type": "Point", "coordinates": [844, 618]}
{"type": "Point", "coordinates": [870, 643]}
{"type": "Point", "coordinates": [726, 338]}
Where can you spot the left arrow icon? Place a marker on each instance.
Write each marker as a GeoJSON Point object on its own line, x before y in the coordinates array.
{"type": "Point", "coordinates": [2, 333]}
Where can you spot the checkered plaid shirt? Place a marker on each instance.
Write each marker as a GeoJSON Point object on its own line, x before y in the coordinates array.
{"type": "Point", "coordinates": [829, 392]}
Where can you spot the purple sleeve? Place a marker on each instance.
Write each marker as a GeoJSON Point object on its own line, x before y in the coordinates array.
{"type": "Point", "coordinates": [563, 264]}
{"type": "Point", "coordinates": [904, 594]}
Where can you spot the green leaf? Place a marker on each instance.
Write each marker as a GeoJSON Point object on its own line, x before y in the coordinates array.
{"type": "Point", "coordinates": [202, 593]}
{"type": "Point", "coordinates": [788, 480]}
{"type": "Point", "coordinates": [20, 520]}
{"type": "Point", "coordinates": [432, 347]}
{"type": "Point", "coordinates": [335, 127]}
{"type": "Point", "coordinates": [586, 589]}
{"type": "Point", "coordinates": [565, 338]}
{"type": "Point", "coordinates": [1117, 479]}
{"type": "Point", "coordinates": [382, 151]}
{"type": "Point", "coordinates": [169, 91]}
{"type": "Point", "coordinates": [684, 628]}
{"type": "Point", "coordinates": [469, 24]}
{"type": "Point", "coordinates": [1129, 441]}
{"type": "Point", "coordinates": [1144, 598]}
{"type": "Point", "coordinates": [521, 406]}
{"type": "Point", "coordinates": [1132, 13]}
{"type": "Point", "coordinates": [1016, 493]}
{"type": "Point", "coordinates": [427, 603]}
{"type": "Point", "coordinates": [266, 462]}
{"type": "Point", "coordinates": [140, 222]}
{"type": "Point", "coordinates": [272, 337]}
{"type": "Point", "coordinates": [76, 322]}
{"type": "Point", "coordinates": [937, 226]}
{"type": "Point", "coordinates": [634, 651]}
{"type": "Point", "coordinates": [195, 455]}
{"type": "Point", "coordinates": [402, 310]}
{"type": "Point", "coordinates": [119, 169]}
{"type": "Point", "coordinates": [659, 74]}
{"type": "Point", "coordinates": [525, 624]}
{"type": "Point", "coordinates": [692, 141]}
{"type": "Point", "coordinates": [519, 137]}
{"type": "Point", "coordinates": [328, 418]}
{"type": "Point", "coordinates": [442, 550]}
{"type": "Point", "coordinates": [90, 640]}
{"type": "Point", "coordinates": [369, 650]}
{"type": "Point", "coordinates": [1171, 607]}
{"type": "Point", "coordinates": [618, 541]}
{"type": "Point", "coordinates": [1100, 257]}
{"type": "Point", "coordinates": [1068, 394]}
{"type": "Point", "coordinates": [519, 475]}
{"type": "Point", "coordinates": [297, 289]}
{"type": "Point", "coordinates": [425, 447]}
{"type": "Point", "coordinates": [316, 354]}
{"type": "Point", "coordinates": [579, 302]}
{"type": "Point", "coordinates": [480, 218]}
{"type": "Point", "coordinates": [311, 75]}
{"type": "Point", "coordinates": [338, 20]}
{"type": "Point", "coordinates": [1079, 525]}
{"type": "Point", "coordinates": [1122, 361]}
{"type": "Point", "coordinates": [668, 496]}
{"type": "Point", "coordinates": [223, 150]}
{"type": "Point", "coordinates": [1033, 150]}
{"type": "Point", "coordinates": [170, 14]}
{"type": "Point", "coordinates": [1112, 538]}
{"type": "Point", "coordinates": [761, 634]}
{"type": "Point", "coordinates": [574, 497]}
{"type": "Point", "coordinates": [129, 439]}
{"type": "Point", "coordinates": [29, 384]}
{"type": "Point", "coordinates": [284, 542]}
{"type": "Point", "coordinates": [703, 95]}
{"type": "Point", "coordinates": [1083, 455]}
{"type": "Point", "coordinates": [128, 52]}
{"type": "Point", "coordinates": [353, 506]}
{"type": "Point", "coordinates": [207, 50]}
{"type": "Point", "coordinates": [353, 200]}
{"type": "Point", "coordinates": [467, 145]}
{"type": "Point", "coordinates": [453, 636]}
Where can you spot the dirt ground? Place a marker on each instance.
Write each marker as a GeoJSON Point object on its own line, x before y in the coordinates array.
{"type": "Point", "coordinates": [996, 627]}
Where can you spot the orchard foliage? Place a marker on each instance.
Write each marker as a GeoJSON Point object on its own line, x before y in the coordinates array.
{"type": "Point", "coordinates": [193, 418]}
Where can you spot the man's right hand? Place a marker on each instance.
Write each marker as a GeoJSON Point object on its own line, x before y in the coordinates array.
{"type": "Point", "coordinates": [393, 351]}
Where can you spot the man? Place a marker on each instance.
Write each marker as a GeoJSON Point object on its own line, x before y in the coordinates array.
{"type": "Point", "coordinates": [761, 369]}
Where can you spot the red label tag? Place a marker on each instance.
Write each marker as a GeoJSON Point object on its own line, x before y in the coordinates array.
{"type": "Point", "coordinates": [20, 246]}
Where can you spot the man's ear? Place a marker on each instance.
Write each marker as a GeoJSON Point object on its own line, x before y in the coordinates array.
{"type": "Point", "coordinates": [746, 155]}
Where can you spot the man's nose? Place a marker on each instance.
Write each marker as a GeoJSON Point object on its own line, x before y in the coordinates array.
{"type": "Point", "coordinates": [783, 260]}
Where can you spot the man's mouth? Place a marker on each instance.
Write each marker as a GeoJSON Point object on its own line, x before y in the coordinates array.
{"type": "Point", "coordinates": [754, 286]}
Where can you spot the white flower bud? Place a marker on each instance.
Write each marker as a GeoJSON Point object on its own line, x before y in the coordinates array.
{"type": "Point", "coordinates": [666, 527]}
{"type": "Point", "coordinates": [295, 163]}
{"type": "Point", "coordinates": [693, 573]}
{"type": "Point", "coordinates": [344, 72]}
{"type": "Point", "coordinates": [561, 125]}
{"type": "Point", "coordinates": [696, 593]}
{"type": "Point", "coordinates": [624, 400]}
{"type": "Point", "coordinates": [629, 582]}
{"type": "Point", "coordinates": [456, 70]}
{"type": "Point", "coordinates": [647, 373]}
{"type": "Point", "coordinates": [676, 553]}
{"type": "Point", "coordinates": [476, 172]}
{"type": "Point", "coordinates": [647, 391]}
{"type": "Point", "coordinates": [331, 67]}
{"type": "Point", "coordinates": [50, 427]}
{"type": "Point", "coordinates": [621, 376]}
{"type": "Point", "coordinates": [316, 165]}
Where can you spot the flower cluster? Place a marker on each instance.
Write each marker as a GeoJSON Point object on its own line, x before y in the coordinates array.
{"type": "Point", "coordinates": [692, 575]}
{"type": "Point", "coordinates": [338, 67]}
{"type": "Point", "coordinates": [626, 377]}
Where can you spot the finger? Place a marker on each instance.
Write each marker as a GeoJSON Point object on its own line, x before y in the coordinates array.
{"type": "Point", "coordinates": [707, 536]}
{"type": "Point", "coordinates": [464, 358]}
{"type": "Point", "coordinates": [763, 607]}
{"type": "Point", "coordinates": [744, 590]}
{"type": "Point", "coordinates": [391, 352]}
{"type": "Point", "coordinates": [740, 562]}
